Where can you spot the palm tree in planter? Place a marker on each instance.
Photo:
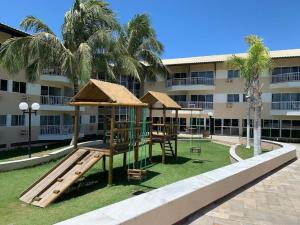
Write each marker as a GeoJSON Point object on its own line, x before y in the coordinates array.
{"type": "Point", "coordinates": [143, 49]}
{"type": "Point", "coordinates": [252, 68]}
{"type": "Point", "coordinates": [87, 31]}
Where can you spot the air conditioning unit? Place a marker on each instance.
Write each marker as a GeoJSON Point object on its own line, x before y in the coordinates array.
{"type": "Point", "coordinates": [229, 80]}
{"type": "Point", "coordinates": [23, 132]}
{"type": "Point", "coordinates": [229, 105]}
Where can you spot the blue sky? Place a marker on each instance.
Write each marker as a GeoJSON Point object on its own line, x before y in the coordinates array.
{"type": "Point", "coordinates": [187, 27]}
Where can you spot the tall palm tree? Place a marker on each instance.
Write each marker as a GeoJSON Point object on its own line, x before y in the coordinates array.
{"type": "Point", "coordinates": [252, 67]}
{"type": "Point", "coordinates": [87, 32]}
{"type": "Point", "coordinates": [143, 49]}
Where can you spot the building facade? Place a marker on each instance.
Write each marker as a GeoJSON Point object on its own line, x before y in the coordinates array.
{"type": "Point", "coordinates": [54, 121]}
{"type": "Point", "coordinates": [197, 82]}
{"type": "Point", "coordinates": [205, 82]}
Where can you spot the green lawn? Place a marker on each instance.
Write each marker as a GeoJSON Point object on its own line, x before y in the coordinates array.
{"type": "Point", "coordinates": [82, 198]}
{"type": "Point", "coordinates": [246, 153]}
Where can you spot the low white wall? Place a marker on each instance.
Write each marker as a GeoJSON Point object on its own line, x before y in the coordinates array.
{"type": "Point", "coordinates": [33, 161]}
{"type": "Point", "coordinates": [233, 156]}
{"type": "Point", "coordinates": [171, 203]}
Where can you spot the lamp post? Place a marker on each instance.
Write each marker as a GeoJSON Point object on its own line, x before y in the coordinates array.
{"type": "Point", "coordinates": [210, 114]}
{"type": "Point", "coordinates": [29, 110]}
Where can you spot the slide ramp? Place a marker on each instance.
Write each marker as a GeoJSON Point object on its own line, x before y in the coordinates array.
{"type": "Point", "coordinates": [50, 186]}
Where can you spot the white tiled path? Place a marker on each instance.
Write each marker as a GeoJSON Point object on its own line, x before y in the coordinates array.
{"type": "Point", "coordinates": [274, 200]}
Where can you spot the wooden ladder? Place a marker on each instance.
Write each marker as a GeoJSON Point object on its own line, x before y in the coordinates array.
{"type": "Point", "coordinates": [168, 147]}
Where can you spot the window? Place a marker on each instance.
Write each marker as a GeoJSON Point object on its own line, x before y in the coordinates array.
{"type": "Point", "coordinates": [2, 120]}
{"type": "Point", "coordinates": [179, 75]}
{"type": "Point", "coordinates": [178, 98]}
{"type": "Point", "coordinates": [202, 98]}
{"type": "Point", "coordinates": [17, 120]}
{"type": "Point", "coordinates": [231, 98]}
{"type": "Point", "coordinates": [203, 74]}
{"type": "Point", "coordinates": [3, 85]}
{"type": "Point", "coordinates": [19, 87]}
{"type": "Point", "coordinates": [233, 74]}
{"type": "Point", "coordinates": [50, 120]}
{"type": "Point", "coordinates": [51, 91]}
{"type": "Point", "coordinates": [92, 119]}
{"type": "Point", "coordinates": [244, 98]}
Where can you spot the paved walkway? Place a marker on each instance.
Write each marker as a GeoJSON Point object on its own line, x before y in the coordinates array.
{"type": "Point", "coordinates": [274, 200]}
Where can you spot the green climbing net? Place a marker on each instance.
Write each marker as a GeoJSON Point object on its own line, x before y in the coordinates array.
{"type": "Point", "coordinates": [132, 140]}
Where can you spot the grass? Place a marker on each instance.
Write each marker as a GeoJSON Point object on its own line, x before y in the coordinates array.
{"type": "Point", "coordinates": [22, 153]}
{"type": "Point", "coordinates": [91, 192]}
{"type": "Point", "coordinates": [246, 153]}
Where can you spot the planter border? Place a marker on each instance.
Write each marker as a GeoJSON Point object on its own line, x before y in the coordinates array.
{"type": "Point", "coordinates": [37, 160]}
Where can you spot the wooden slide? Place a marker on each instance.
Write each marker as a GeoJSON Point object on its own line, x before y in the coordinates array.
{"type": "Point", "coordinates": [50, 186]}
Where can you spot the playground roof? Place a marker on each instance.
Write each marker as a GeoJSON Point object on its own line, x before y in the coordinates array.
{"type": "Point", "coordinates": [152, 97]}
{"type": "Point", "coordinates": [100, 93]}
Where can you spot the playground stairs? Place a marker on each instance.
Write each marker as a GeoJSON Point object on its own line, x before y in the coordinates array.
{"type": "Point", "coordinates": [50, 186]}
{"type": "Point", "coordinates": [168, 147]}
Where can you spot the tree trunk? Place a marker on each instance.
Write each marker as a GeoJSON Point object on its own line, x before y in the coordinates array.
{"type": "Point", "coordinates": [257, 117]}
{"type": "Point", "coordinates": [248, 120]}
{"type": "Point", "coordinates": [76, 117]}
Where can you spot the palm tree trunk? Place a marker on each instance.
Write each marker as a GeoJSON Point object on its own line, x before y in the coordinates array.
{"type": "Point", "coordinates": [75, 137]}
{"type": "Point", "coordinates": [257, 118]}
{"type": "Point", "coordinates": [249, 97]}
{"type": "Point", "coordinates": [248, 126]}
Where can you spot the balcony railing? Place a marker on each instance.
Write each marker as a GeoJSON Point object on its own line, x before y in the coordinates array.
{"type": "Point", "coordinates": [55, 71]}
{"type": "Point", "coordinates": [54, 100]}
{"type": "Point", "coordinates": [289, 105]}
{"type": "Point", "coordinates": [196, 104]}
{"type": "Point", "coordinates": [57, 129]}
{"type": "Point", "coordinates": [286, 77]}
{"type": "Point", "coordinates": [190, 81]}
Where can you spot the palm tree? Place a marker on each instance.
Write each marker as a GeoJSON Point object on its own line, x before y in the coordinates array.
{"type": "Point", "coordinates": [252, 67]}
{"type": "Point", "coordinates": [87, 32]}
{"type": "Point", "coordinates": [143, 49]}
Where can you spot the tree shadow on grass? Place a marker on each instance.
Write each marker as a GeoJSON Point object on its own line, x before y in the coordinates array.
{"type": "Point", "coordinates": [95, 181]}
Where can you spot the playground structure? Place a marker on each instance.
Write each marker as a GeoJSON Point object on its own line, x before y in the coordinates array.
{"type": "Point", "coordinates": [123, 138]}
{"type": "Point", "coordinates": [163, 133]}
{"type": "Point", "coordinates": [129, 138]}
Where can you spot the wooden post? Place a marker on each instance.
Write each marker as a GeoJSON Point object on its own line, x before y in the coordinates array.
{"type": "Point", "coordinates": [164, 136]}
{"type": "Point", "coordinates": [137, 134]}
{"type": "Point", "coordinates": [111, 142]}
{"type": "Point", "coordinates": [124, 159]}
{"type": "Point", "coordinates": [104, 164]}
{"type": "Point", "coordinates": [150, 133]}
{"type": "Point", "coordinates": [176, 130]}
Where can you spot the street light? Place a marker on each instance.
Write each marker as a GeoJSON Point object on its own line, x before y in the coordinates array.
{"type": "Point", "coordinates": [29, 110]}
{"type": "Point", "coordinates": [210, 114]}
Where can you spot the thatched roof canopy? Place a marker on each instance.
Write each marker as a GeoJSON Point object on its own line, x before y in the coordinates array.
{"type": "Point", "coordinates": [152, 97]}
{"type": "Point", "coordinates": [100, 93]}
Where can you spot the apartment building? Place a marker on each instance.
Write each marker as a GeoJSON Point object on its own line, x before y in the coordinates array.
{"type": "Point", "coordinates": [205, 82]}
{"type": "Point", "coordinates": [196, 82]}
{"type": "Point", "coordinates": [54, 120]}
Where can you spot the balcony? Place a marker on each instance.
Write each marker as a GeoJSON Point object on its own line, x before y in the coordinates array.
{"type": "Point", "coordinates": [58, 132]}
{"type": "Point", "coordinates": [285, 80]}
{"type": "Point", "coordinates": [56, 103]}
{"type": "Point", "coordinates": [190, 83]}
{"type": "Point", "coordinates": [54, 75]}
{"type": "Point", "coordinates": [196, 104]}
{"type": "Point", "coordinates": [288, 108]}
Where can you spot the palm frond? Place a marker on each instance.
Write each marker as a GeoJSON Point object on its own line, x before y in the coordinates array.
{"type": "Point", "coordinates": [84, 60]}
{"type": "Point", "coordinates": [31, 23]}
